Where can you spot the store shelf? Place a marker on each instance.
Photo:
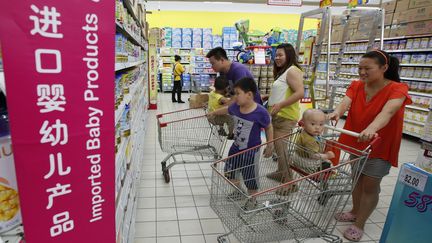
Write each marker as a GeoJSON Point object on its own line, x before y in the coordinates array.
{"type": "Point", "coordinates": [350, 74]}
{"type": "Point", "coordinates": [126, 100]}
{"type": "Point", "coordinates": [417, 79]}
{"type": "Point", "coordinates": [131, 11]}
{"type": "Point", "coordinates": [417, 108]}
{"type": "Point", "coordinates": [414, 122]}
{"type": "Point", "coordinates": [415, 65]}
{"type": "Point", "coordinates": [337, 92]}
{"type": "Point", "coordinates": [412, 134]}
{"type": "Point", "coordinates": [120, 65]}
{"type": "Point", "coordinates": [345, 52]}
{"type": "Point", "coordinates": [350, 63]}
{"type": "Point", "coordinates": [131, 36]}
{"type": "Point", "coordinates": [420, 94]}
{"type": "Point", "coordinates": [410, 50]}
{"type": "Point", "coordinates": [387, 38]}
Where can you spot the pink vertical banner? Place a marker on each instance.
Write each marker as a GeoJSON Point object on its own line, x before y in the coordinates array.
{"type": "Point", "coordinates": [59, 69]}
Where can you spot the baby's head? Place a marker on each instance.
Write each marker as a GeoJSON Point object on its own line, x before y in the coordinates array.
{"type": "Point", "coordinates": [221, 84]}
{"type": "Point", "coordinates": [313, 121]}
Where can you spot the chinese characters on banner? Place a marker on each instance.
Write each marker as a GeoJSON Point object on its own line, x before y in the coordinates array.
{"type": "Point", "coordinates": [153, 68]}
{"type": "Point", "coordinates": [285, 2]}
{"type": "Point", "coordinates": [59, 69]}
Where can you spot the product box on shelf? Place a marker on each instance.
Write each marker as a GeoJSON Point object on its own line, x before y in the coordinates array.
{"type": "Point", "coordinates": [419, 28]}
{"type": "Point", "coordinates": [176, 31]}
{"type": "Point", "coordinates": [389, 6]}
{"type": "Point", "coordinates": [388, 19]}
{"type": "Point", "coordinates": [398, 30]}
{"type": "Point", "coordinates": [187, 31]}
{"type": "Point", "coordinates": [207, 31]}
{"type": "Point", "coordinates": [402, 5]}
{"type": "Point", "coordinates": [419, 3]}
{"type": "Point", "coordinates": [418, 14]}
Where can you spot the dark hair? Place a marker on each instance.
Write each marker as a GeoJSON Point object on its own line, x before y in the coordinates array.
{"type": "Point", "coordinates": [177, 58]}
{"type": "Point", "coordinates": [218, 53]}
{"type": "Point", "coordinates": [383, 58]}
{"type": "Point", "coordinates": [291, 59]}
{"type": "Point", "coordinates": [221, 83]}
{"type": "Point", "coordinates": [247, 84]}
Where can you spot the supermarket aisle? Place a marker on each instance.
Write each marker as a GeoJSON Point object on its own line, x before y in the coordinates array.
{"type": "Point", "coordinates": [179, 212]}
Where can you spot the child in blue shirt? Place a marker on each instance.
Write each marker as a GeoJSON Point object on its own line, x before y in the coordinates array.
{"type": "Point", "coordinates": [249, 118]}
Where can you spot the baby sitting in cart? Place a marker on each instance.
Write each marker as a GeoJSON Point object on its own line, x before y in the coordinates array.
{"type": "Point", "coordinates": [310, 154]}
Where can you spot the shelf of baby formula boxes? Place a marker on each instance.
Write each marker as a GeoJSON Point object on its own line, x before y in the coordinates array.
{"type": "Point", "coordinates": [15, 235]}
{"type": "Point", "coordinates": [135, 38]}
{"type": "Point", "coordinates": [127, 183]}
{"type": "Point", "coordinates": [126, 94]}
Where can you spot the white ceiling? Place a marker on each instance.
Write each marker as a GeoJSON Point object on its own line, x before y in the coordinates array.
{"type": "Point", "coordinates": [251, 6]}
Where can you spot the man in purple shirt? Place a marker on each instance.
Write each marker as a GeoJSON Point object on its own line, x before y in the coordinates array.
{"type": "Point", "coordinates": [233, 71]}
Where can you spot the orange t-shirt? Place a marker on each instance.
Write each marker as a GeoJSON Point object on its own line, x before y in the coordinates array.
{"type": "Point", "coordinates": [362, 113]}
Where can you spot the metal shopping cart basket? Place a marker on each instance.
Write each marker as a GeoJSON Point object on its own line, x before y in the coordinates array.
{"type": "Point", "coordinates": [188, 137]}
{"type": "Point", "coordinates": [265, 215]}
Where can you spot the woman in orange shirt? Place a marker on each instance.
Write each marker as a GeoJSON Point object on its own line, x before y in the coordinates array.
{"type": "Point", "coordinates": [376, 106]}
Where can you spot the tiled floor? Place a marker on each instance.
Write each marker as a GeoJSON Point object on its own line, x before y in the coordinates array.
{"type": "Point", "coordinates": [179, 212]}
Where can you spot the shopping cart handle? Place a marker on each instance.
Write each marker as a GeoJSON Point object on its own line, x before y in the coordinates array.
{"type": "Point", "coordinates": [373, 143]}
{"type": "Point", "coordinates": [344, 131]}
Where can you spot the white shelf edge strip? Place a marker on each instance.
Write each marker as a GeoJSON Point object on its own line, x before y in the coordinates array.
{"type": "Point", "coordinates": [121, 66]}
{"type": "Point", "coordinates": [420, 94]}
{"type": "Point", "coordinates": [416, 108]}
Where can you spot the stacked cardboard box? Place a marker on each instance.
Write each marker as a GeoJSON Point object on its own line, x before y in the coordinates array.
{"type": "Point", "coordinates": [411, 17]}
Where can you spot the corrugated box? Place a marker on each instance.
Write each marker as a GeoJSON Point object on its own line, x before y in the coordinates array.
{"type": "Point", "coordinates": [402, 5]}
{"type": "Point", "coordinates": [419, 3]}
{"type": "Point", "coordinates": [419, 28]}
{"type": "Point", "coordinates": [388, 19]}
{"type": "Point", "coordinates": [198, 100]}
{"type": "Point", "coordinates": [418, 14]}
{"type": "Point", "coordinates": [336, 20]}
{"type": "Point", "coordinates": [389, 6]}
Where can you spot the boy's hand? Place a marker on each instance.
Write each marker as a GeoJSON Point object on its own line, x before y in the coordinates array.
{"type": "Point", "coordinates": [268, 151]}
{"type": "Point", "coordinates": [210, 114]}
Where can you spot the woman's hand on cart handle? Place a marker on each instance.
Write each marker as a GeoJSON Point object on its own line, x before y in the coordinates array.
{"type": "Point", "coordinates": [268, 151]}
{"type": "Point", "coordinates": [367, 135]}
{"type": "Point", "coordinates": [334, 116]}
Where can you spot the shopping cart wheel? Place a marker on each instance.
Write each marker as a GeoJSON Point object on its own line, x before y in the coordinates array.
{"type": "Point", "coordinates": [222, 239]}
{"type": "Point", "coordinates": [166, 175]}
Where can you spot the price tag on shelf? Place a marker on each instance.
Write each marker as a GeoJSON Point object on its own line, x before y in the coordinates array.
{"type": "Point", "coordinates": [413, 178]}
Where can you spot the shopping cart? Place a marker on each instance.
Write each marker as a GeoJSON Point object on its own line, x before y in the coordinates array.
{"type": "Point", "coordinates": [266, 215]}
{"type": "Point", "coordinates": [188, 137]}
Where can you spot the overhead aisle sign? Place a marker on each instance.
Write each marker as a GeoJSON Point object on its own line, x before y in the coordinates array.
{"type": "Point", "coordinates": [59, 69]}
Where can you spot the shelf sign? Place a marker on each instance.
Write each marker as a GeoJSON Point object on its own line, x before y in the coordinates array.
{"type": "Point", "coordinates": [285, 2]}
{"type": "Point", "coordinates": [413, 179]}
{"type": "Point", "coordinates": [59, 69]}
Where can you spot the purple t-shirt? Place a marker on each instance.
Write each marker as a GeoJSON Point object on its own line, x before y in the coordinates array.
{"type": "Point", "coordinates": [247, 127]}
{"type": "Point", "coordinates": [238, 71]}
